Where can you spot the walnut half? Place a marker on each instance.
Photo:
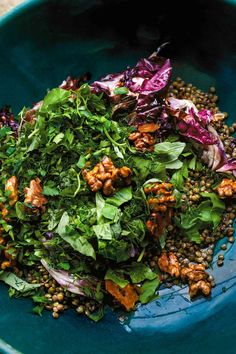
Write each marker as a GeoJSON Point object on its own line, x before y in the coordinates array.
{"type": "Point", "coordinates": [195, 274]}
{"type": "Point", "coordinates": [227, 188]}
{"type": "Point", "coordinates": [106, 177]}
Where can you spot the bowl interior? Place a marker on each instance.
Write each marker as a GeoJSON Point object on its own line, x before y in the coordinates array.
{"type": "Point", "coordinates": [46, 41]}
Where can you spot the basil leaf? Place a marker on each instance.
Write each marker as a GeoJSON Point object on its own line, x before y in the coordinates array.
{"type": "Point", "coordinates": [148, 290]}
{"type": "Point", "coordinates": [80, 244]}
{"type": "Point", "coordinates": [120, 197]}
{"type": "Point", "coordinates": [15, 282]}
{"type": "Point", "coordinates": [138, 272]}
{"type": "Point", "coordinates": [103, 231]}
{"type": "Point", "coordinates": [168, 152]}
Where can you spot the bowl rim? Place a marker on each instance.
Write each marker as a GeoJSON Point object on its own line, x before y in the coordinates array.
{"type": "Point", "coordinates": [18, 10]}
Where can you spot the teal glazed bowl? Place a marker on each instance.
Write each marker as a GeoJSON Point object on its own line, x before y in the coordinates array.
{"type": "Point", "coordinates": [42, 42]}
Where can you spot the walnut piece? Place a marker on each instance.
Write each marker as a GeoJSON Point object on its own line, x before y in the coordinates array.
{"type": "Point", "coordinates": [12, 186]}
{"type": "Point", "coordinates": [107, 177]}
{"type": "Point", "coordinates": [148, 127]}
{"type": "Point", "coordinates": [160, 204]}
{"type": "Point", "coordinates": [126, 296]}
{"type": "Point", "coordinates": [34, 196]}
{"type": "Point", "coordinates": [143, 141]}
{"type": "Point", "coordinates": [196, 276]}
{"type": "Point", "coordinates": [169, 264]}
{"type": "Point", "coordinates": [227, 188]}
{"type": "Point", "coordinates": [4, 211]}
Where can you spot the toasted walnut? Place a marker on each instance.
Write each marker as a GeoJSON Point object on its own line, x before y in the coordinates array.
{"type": "Point", "coordinates": [12, 186]}
{"type": "Point", "coordinates": [194, 272]}
{"type": "Point", "coordinates": [143, 141]}
{"type": "Point", "coordinates": [227, 188]}
{"type": "Point", "coordinates": [168, 263]}
{"type": "Point", "coordinates": [9, 253]}
{"type": "Point", "coordinates": [126, 296]}
{"type": "Point", "coordinates": [34, 196]}
{"type": "Point", "coordinates": [6, 264]}
{"type": "Point", "coordinates": [107, 177]}
{"type": "Point", "coordinates": [4, 211]}
{"type": "Point", "coordinates": [161, 205]}
{"type": "Point", "coordinates": [196, 276]}
{"type": "Point", "coordinates": [148, 127]}
{"type": "Point", "coordinates": [8, 257]}
{"type": "Point", "coordinates": [158, 222]}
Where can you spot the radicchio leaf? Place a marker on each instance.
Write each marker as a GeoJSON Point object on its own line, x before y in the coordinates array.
{"type": "Point", "coordinates": [147, 83]}
{"type": "Point", "coordinates": [7, 119]}
{"type": "Point", "coordinates": [191, 123]}
{"type": "Point", "coordinates": [195, 125]}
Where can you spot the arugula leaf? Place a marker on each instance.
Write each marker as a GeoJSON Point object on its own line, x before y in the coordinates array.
{"type": "Point", "coordinates": [120, 197]}
{"type": "Point", "coordinates": [148, 290]}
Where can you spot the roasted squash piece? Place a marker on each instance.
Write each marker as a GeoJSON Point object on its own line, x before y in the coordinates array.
{"type": "Point", "coordinates": [126, 296]}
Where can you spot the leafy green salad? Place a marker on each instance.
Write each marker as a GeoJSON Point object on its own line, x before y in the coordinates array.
{"type": "Point", "coordinates": [93, 188]}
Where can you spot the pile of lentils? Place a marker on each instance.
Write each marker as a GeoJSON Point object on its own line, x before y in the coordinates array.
{"type": "Point", "coordinates": [58, 299]}
{"type": "Point", "coordinates": [201, 181]}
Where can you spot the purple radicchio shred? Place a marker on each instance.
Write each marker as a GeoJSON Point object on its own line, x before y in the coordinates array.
{"type": "Point", "coordinates": [149, 75]}
{"type": "Point", "coordinates": [107, 84]}
{"type": "Point", "coordinates": [7, 119]}
{"type": "Point", "coordinates": [195, 125]}
{"type": "Point", "coordinates": [191, 123]}
{"type": "Point", "coordinates": [147, 83]}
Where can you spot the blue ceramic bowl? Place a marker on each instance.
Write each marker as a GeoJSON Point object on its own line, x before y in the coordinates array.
{"type": "Point", "coordinates": [44, 41]}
